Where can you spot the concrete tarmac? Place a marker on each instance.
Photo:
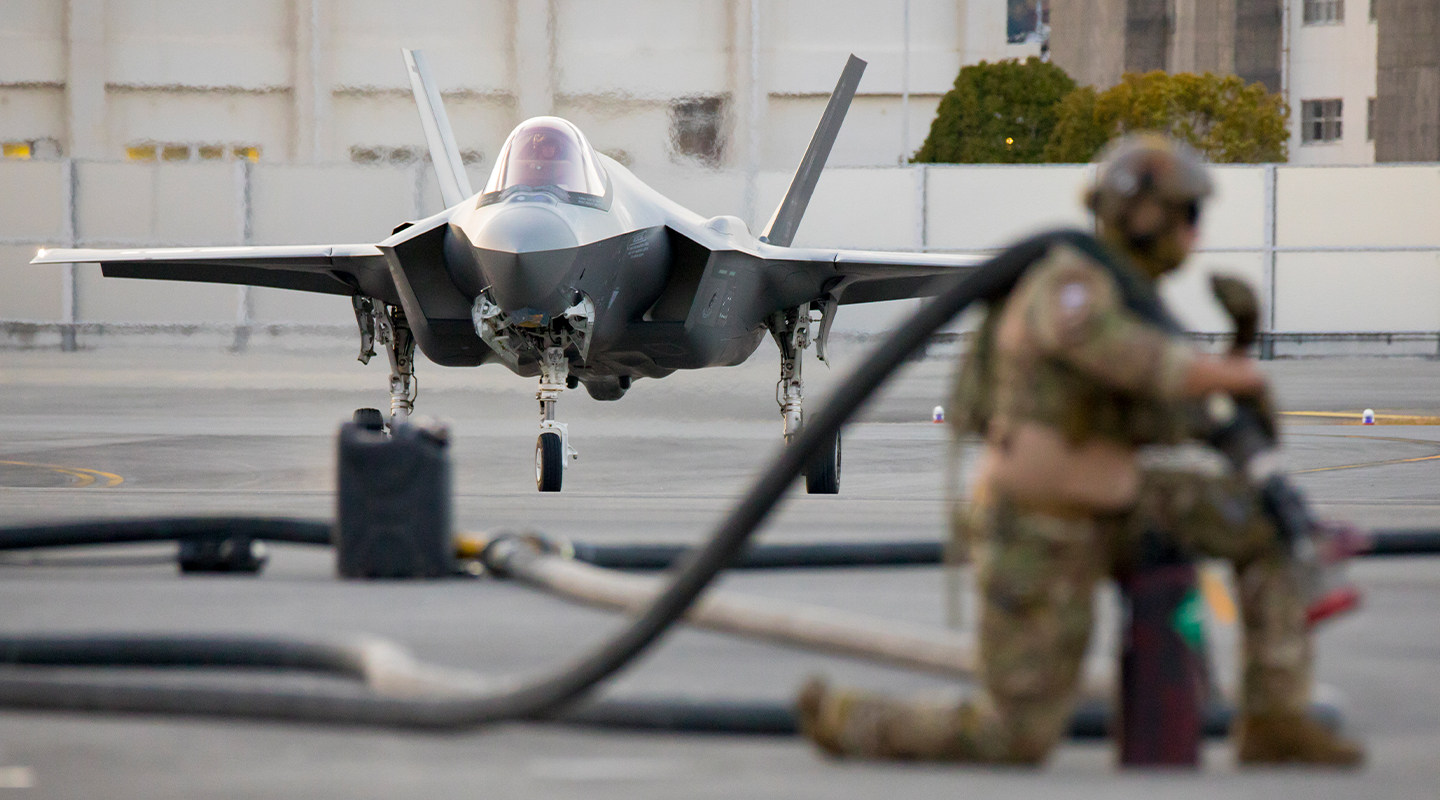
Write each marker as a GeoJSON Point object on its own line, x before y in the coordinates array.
{"type": "Point", "coordinates": [128, 431]}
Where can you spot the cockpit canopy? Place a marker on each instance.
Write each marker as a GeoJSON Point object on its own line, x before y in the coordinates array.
{"type": "Point", "coordinates": [548, 154]}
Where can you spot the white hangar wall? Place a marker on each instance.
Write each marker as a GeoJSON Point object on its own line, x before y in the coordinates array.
{"type": "Point", "coordinates": [313, 81]}
{"type": "Point", "coordinates": [1331, 248]}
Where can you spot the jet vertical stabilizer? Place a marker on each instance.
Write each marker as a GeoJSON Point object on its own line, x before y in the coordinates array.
{"type": "Point", "coordinates": [782, 227]}
{"type": "Point", "coordinates": [454, 184]}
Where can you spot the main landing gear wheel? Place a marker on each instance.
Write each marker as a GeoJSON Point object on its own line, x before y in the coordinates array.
{"type": "Point", "coordinates": [549, 462]}
{"type": "Point", "coordinates": [370, 419]}
{"type": "Point", "coordinates": [823, 474]}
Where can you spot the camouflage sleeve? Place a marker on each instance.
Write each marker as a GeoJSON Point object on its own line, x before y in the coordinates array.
{"type": "Point", "coordinates": [1075, 313]}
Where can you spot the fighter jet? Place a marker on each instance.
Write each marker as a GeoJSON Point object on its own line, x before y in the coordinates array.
{"type": "Point", "coordinates": [568, 267]}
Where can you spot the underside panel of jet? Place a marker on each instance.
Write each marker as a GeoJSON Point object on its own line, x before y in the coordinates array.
{"type": "Point", "coordinates": [323, 282]}
{"type": "Point", "coordinates": [327, 269]}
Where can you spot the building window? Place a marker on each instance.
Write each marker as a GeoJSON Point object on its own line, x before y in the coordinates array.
{"type": "Point", "coordinates": [1324, 12]}
{"type": "Point", "coordinates": [379, 154]}
{"type": "Point", "coordinates": [1028, 21]}
{"type": "Point", "coordinates": [696, 125]}
{"type": "Point", "coordinates": [175, 151]}
{"type": "Point", "coordinates": [1320, 121]}
{"type": "Point", "coordinates": [35, 148]}
{"type": "Point", "coordinates": [1370, 120]}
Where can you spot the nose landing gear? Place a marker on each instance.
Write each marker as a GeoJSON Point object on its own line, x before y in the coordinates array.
{"type": "Point", "coordinates": [552, 449]}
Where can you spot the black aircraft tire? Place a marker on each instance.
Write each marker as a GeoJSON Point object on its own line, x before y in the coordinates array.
{"type": "Point", "coordinates": [370, 419]}
{"type": "Point", "coordinates": [549, 462]}
{"type": "Point", "coordinates": [823, 474]}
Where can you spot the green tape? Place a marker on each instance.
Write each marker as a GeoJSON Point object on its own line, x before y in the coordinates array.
{"type": "Point", "coordinates": [1189, 620]}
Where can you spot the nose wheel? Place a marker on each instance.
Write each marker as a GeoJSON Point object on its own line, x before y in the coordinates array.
{"type": "Point", "coordinates": [549, 462]}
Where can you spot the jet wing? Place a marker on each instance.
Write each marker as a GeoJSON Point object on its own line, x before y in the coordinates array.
{"type": "Point", "coordinates": [869, 276]}
{"type": "Point", "coordinates": [797, 275]}
{"type": "Point", "coordinates": [344, 269]}
{"type": "Point", "coordinates": [791, 276]}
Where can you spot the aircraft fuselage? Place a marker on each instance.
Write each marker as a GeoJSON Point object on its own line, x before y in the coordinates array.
{"type": "Point", "coordinates": [615, 286]}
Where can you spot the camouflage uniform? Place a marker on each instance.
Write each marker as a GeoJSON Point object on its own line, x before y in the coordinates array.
{"type": "Point", "coordinates": [1068, 361]}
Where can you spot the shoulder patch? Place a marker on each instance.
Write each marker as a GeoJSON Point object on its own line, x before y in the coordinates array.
{"type": "Point", "coordinates": [1074, 296]}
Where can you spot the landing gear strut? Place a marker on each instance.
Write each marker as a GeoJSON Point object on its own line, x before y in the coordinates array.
{"type": "Point", "coordinates": [385, 325]}
{"type": "Point", "coordinates": [791, 329]}
{"type": "Point", "coordinates": [399, 343]}
{"type": "Point", "coordinates": [552, 449]}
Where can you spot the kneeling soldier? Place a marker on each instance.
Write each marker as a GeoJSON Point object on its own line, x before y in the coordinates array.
{"type": "Point", "coordinates": [1069, 378]}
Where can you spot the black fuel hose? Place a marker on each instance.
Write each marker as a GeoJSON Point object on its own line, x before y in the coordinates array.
{"type": "Point", "coordinates": [222, 652]}
{"type": "Point", "coordinates": [163, 529]}
{"type": "Point", "coordinates": [637, 557]}
{"type": "Point", "coordinates": [769, 556]}
{"type": "Point", "coordinates": [903, 553]}
{"type": "Point", "coordinates": [363, 660]}
{"type": "Point", "coordinates": [1404, 543]}
{"type": "Point", "coordinates": [1092, 718]}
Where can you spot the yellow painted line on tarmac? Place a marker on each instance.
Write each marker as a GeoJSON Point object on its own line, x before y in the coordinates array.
{"type": "Point", "coordinates": [111, 479]}
{"type": "Point", "coordinates": [1386, 462]}
{"type": "Point", "coordinates": [1353, 417]}
{"type": "Point", "coordinates": [1367, 464]}
{"type": "Point", "coordinates": [84, 477]}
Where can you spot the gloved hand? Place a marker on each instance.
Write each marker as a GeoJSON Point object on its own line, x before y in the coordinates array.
{"type": "Point", "coordinates": [1240, 302]}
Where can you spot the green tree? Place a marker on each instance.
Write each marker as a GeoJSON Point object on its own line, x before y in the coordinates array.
{"type": "Point", "coordinates": [1229, 122]}
{"type": "Point", "coordinates": [1000, 113]}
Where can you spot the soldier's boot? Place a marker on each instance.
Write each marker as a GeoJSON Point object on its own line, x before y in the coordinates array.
{"type": "Point", "coordinates": [849, 723]}
{"type": "Point", "coordinates": [1287, 738]}
{"type": "Point", "coordinates": [1276, 681]}
{"type": "Point", "coordinates": [858, 724]}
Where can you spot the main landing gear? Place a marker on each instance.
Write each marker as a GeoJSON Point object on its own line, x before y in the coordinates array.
{"type": "Point", "coordinates": [552, 449]}
{"type": "Point", "coordinates": [791, 329]}
{"type": "Point", "coordinates": [385, 325]}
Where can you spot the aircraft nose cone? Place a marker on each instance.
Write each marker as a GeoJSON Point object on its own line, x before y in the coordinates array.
{"type": "Point", "coordinates": [527, 253]}
{"type": "Point", "coordinates": [525, 228]}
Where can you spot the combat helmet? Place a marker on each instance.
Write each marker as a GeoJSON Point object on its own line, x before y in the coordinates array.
{"type": "Point", "coordinates": [1146, 186]}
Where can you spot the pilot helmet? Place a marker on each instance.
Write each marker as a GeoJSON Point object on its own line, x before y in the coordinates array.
{"type": "Point", "coordinates": [544, 144]}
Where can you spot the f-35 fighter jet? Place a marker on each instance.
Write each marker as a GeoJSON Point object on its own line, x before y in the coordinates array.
{"type": "Point", "coordinates": [567, 267]}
